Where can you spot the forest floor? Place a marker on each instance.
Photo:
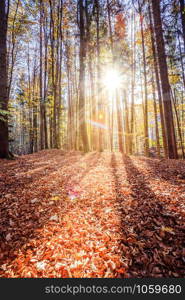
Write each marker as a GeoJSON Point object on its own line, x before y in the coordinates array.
{"type": "Point", "coordinates": [93, 215]}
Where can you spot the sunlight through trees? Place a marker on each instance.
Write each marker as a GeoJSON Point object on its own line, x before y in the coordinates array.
{"type": "Point", "coordinates": [92, 75]}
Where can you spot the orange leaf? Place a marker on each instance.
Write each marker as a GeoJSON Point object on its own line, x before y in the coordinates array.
{"type": "Point", "coordinates": [121, 270]}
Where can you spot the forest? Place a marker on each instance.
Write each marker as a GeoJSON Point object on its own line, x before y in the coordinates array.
{"type": "Point", "coordinates": [92, 138]}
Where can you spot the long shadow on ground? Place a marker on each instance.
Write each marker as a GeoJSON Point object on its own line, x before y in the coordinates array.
{"type": "Point", "coordinates": [13, 175]}
{"type": "Point", "coordinates": [169, 171]}
{"type": "Point", "coordinates": [153, 239]}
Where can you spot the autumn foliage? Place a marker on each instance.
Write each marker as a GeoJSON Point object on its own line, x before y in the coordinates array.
{"type": "Point", "coordinates": [93, 215]}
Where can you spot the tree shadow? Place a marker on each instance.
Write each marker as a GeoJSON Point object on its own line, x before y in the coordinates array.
{"type": "Point", "coordinates": [26, 219]}
{"type": "Point", "coordinates": [148, 231]}
{"type": "Point", "coordinates": [11, 177]}
{"type": "Point", "coordinates": [168, 170]}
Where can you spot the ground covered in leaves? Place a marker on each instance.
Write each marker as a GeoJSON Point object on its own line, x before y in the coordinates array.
{"type": "Point", "coordinates": [93, 215]}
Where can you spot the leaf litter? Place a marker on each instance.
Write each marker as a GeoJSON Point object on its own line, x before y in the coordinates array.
{"type": "Point", "coordinates": [94, 215]}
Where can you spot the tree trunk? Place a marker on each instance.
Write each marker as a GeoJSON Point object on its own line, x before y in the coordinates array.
{"type": "Point", "coordinates": [171, 139]}
{"type": "Point", "coordinates": [178, 123]}
{"type": "Point", "coordinates": [59, 112]}
{"type": "Point", "coordinates": [54, 74]}
{"type": "Point", "coordinates": [127, 127]}
{"type": "Point", "coordinates": [182, 12]}
{"type": "Point", "coordinates": [82, 123]}
{"type": "Point", "coordinates": [41, 81]}
{"type": "Point", "coordinates": [132, 84]}
{"type": "Point", "coordinates": [45, 27]}
{"type": "Point", "coordinates": [146, 143]}
{"type": "Point", "coordinates": [119, 122]}
{"type": "Point", "coordinates": [30, 106]}
{"type": "Point", "coordinates": [155, 117]}
{"type": "Point", "coordinates": [99, 94]}
{"type": "Point", "coordinates": [4, 148]}
{"type": "Point", "coordinates": [158, 84]}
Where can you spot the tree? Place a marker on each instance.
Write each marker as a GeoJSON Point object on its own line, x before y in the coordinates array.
{"type": "Point", "coordinates": [182, 12]}
{"type": "Point", "coordinates": [82, 122]}
{"type": "Point", "coordinates": [155, 62]}
{"type": "Point", "coordinates": [167, 101]}
{"type": "Point", "coordinates": [4, 147]}
{"type": "Point", "coordinates": [146, 143]}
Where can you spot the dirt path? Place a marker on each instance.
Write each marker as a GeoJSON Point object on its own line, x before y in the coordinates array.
{"type": "Point", "coordinates": [93, 215]}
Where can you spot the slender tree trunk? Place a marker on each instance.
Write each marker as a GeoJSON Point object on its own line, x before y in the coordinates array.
{"type": "Point", "coordinates": [155, 116]}
{"type": "Point", "coordinates": [82, 121]}
{"type": "Point", "coordinates": [69, 123]}
{"type": "Point", "coordinates": [183, 79]}
{"type": "Point", "coordinates": [111, 126]}
{"type": "Point", "coordinates": [45, 27]}
{"type": "Point", "coordinates": [59, 142]}
{"type": "Point", "coordinates": [158, 85]}
{"type": "Point", "coordinates": [110, 27]}
{"type": "Point", "coordinates": [178, 124]}
{"type": "Point", "coordinates": [146, 144]}
{"type": "Point", "coordinates": [171, 139]}
{"type": "Point", "coordinates": [30, 106]}
{"type": "Point", "coordinates": [41, 81]}
{"type": "Point", "coordinates": [4, 147]}
{"type": "Point", "coordinates": [13, 48]}
{"type": "Point", "coordinates": [93, 137]}
{"type": "Point", "coordinates": [181, 59]}
{"type": "Point", "coordinates": [54, 74]}
{"type": "Point", "coordinates": [132, 85]}
{"type": "Point", "coordinates": [35, 110]}
{"type": "Point", "coordinates": [182, 12]}
{"type": "Point", "coordinates": [51, 130]}
{"type": "Point", "coordinates": [119, 122]}
{"type": "Point", "coordinates": [99, 94]}
{"type": "Point", "coordinates": [127, 128]}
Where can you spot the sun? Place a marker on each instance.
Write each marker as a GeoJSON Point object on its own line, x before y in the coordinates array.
{"type": "Point", "coordinates": [112, 80]}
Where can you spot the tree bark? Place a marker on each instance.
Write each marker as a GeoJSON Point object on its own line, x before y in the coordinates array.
{"type": "Point", "coordinates": [146, 143]}
{"type": "Point", "coordinates": [182, 12]}
{"type": "Point", "coordinates": [54, 73]}
{"type": "Point", "coordinates": [4, 147]}
{"type": "Point", "coordinates": [155, 117]}
{"type": "Point", "coordinates": [82, 123]}
{"type": "Point", "coordinates": [41, 80]}
{"type": "Point", "coordinates": [158, 84]}
{"type": "Point", "coordinates": [170, 131]}
{"type": "Point", "coordinates": [132, 85]}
